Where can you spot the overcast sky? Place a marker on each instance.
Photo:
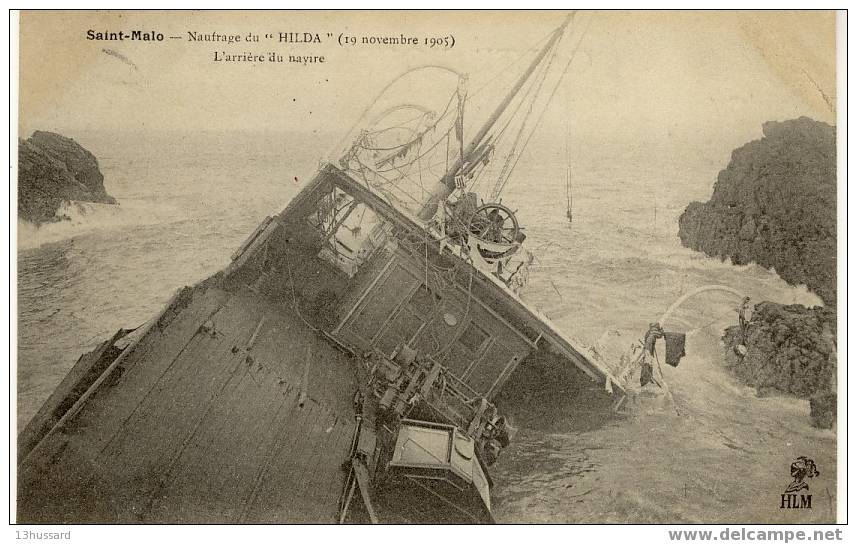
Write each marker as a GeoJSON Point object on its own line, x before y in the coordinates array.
{"type": "Point", "coordinates": [638, 75]}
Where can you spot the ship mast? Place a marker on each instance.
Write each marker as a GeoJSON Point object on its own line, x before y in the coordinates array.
{"type": "Point", "coordinates": [446, 184]}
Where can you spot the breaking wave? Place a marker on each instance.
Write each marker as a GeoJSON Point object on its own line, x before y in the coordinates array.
{"type": "Point", "coordinates": [83, 218]}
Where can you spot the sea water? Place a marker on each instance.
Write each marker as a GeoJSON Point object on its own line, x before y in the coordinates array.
{"type": "Point", "coordinates": [718, 453]}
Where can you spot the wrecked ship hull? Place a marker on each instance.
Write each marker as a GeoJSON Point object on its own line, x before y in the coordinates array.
{"type": "Point", "coordinates": [237, 403]}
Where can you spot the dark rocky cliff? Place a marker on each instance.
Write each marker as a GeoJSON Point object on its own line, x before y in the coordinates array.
{"type": "Point", "coordinates": [789, 349]}
{"type": "Point", "coordinates": [775, 205]}
{"type": "Point", "coordinates": [53, 169]}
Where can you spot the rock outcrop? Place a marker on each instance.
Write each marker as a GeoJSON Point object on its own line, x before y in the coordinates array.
{"type": "Point", "coordinates": [775, 205]}
{"type": "Point", "coordinates": [790, 349]}
{"type": "Point", "coordinates": [53, 169]}
{"type": "Point", "coordinates": [822, 409]}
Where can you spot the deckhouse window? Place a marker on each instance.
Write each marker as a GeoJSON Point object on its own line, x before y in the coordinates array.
{"type": "Point", "coordinates": [352, 230]}
{"type": "Point", "coordinates": [473, 337]}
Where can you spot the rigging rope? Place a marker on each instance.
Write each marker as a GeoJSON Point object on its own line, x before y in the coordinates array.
{"type": "Point", "coordinates": [419, 137]}
{"type": "Point", "coordinates": [505, 172]}
{"type": "Point", "coordinates": [550, 98]}
{"type": "Point", "coordinates": [387, 87]}
{"type": "Point", "coordinates": [499, 136]}
{"type": "Point", "coordinates": [506, 70]}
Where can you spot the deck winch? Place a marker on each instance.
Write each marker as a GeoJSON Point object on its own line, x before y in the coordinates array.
{"type": "Point", "coordinates": [494, 232]}
{"type": "Point", "coordinates": [408, 385]}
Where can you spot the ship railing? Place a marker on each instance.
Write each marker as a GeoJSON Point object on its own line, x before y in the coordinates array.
{"type": "Point", "coordinates": [459, 388]}
{"type": "Point", "coordinates": [457, 401]}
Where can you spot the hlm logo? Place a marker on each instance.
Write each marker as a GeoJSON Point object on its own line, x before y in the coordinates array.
{"type": "Point", "coordinates": [797, 493]}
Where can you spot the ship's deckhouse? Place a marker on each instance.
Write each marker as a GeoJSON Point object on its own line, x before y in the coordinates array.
{"type": "Point", "coordinates": [447, 324]}
{"type": "Point", "coordinates": [372, 278]}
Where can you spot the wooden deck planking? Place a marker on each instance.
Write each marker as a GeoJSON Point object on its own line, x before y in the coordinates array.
{"type": "Point", "coordinates": [281, 349]}
{"type": "Point", "coordinates": [233, 443]}
{"type": "Point", "coordinates": [80, 378]}
{"type": "Point", "coordinates": [62, 471]}
{"type": "Point", "coordinates": [291, 465]}
{"type": "Point", "coordinates": [105, 413]}
{"type": "Point", "coordinates": [323, 485]}
{"type": "Point", "coordinates": [312, 460]}
{"type": "Point", "coordinates": [141, 460]}
{"type": "Point", "coordinates": [290, 396]}
{"type": "Point", "coordinates": [193, 433]}
{"type": "Point", "coordinates": [177, 400]}
{"type": "Point", "coordinates": [305, 508]}
{"type": "Point", "coordinates": [197, 493]}
{"type": "Point", "coordinates": [291, 422]}
{"type": "Point", "coordinates": [288, 489]}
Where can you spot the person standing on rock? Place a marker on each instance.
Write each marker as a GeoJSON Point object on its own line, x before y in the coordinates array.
{"type": "Point", "coordinates": [743, 318]}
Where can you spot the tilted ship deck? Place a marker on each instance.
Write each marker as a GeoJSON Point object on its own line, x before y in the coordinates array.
{"type": "Point", "coordinates": [335, 371]}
